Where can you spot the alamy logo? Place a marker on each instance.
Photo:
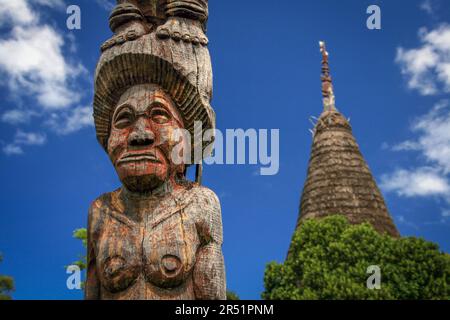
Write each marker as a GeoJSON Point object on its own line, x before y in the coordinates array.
{"type": "Point", "coordinates": [73, 22]}
{"type": "Point", "coordinates": [234, 146]}
{"type": "Point", "coordinates": [74, 280]}
{"type": "Point", "coordinates": [374, 281]}
{"type": "Point", "coordinates": [374, 20]}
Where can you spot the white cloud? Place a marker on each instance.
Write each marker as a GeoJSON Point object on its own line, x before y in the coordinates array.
{"type": "Point", "coordinates": [16, 12]}
{"type": "Point", "coordinates": [433, 141]}
{"type": "Point", "coordinates": [17, 116]}
{"type": "Point", "coordinates": [24, 139]}
{"type": "Point", "coordinates": [406, 146]}
{"type": "Point", "coordinates": [427, 70]}
{"type": "Point", "coordinates": [419, 182]}
{"type": "Point", "coordinates": [12, 149]}
{"type": "Point", "coordinates": [32, 58]}
{"type": "Point", "coordinates": [50, 3]}
{"type": "Point", "coordinates": [427, 67]}
{"type": "Point", "coordinates": [433, 146]}
{"type": "Point", "coordinates": [30, 138]}
{"type": "Point", "coordinates": [35, 66]}
{"type": "Point", "coordinates": [19, 12]}
{"type": "Point", "coordinates": [427, 6]}
{"type": "Point", "coordinates": [72, 121]}
{"type": "Point", "coordinates": [404, 221]}
{"type": "Point", "coordinates": [105, 4]}
{"type": "Point", "coordinates": [33, 61]}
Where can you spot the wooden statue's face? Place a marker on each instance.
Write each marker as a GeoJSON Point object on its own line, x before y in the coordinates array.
{"type": "Point", "coordinates": [141, 140]}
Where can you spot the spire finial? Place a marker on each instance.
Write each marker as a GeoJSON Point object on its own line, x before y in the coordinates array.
{"type": "Point", "coordinates": [327, 85]}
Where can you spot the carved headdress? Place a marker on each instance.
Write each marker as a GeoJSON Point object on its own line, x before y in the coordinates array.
{"type": "Point", "coordinates": [160, 42]}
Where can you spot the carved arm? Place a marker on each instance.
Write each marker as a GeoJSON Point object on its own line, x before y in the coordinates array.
{"type": "Point", "coordinates": [209, 270]}
{"type": "Point", "coordinates": [92, 286]}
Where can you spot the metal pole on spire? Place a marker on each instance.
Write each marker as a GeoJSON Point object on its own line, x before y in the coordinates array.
{"type": "Point", "coordinates": [327, 85]}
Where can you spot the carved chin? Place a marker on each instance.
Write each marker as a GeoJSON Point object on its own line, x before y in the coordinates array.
{"type": "Point", "coordinates": [142, 178]}
{"type": "Point", "coordinates": [142, 184]}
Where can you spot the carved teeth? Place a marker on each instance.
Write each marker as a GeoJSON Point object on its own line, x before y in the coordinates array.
{"type": "Point", "coordinates": [186, 37]}
{"type": "Point", "coordinates": [176, 36]}
{"type": "Point", "coordinates": [130, 35]}
{"type": "Point", "coordinates": [195, 40]}
{"type": "Point", "coordinates": [163, 33]}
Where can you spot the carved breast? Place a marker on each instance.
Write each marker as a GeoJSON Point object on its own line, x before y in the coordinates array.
{"type": "Point", "coordinates": [118, 257]}
{"type": "Point", "coordinates": [169, 248]}
{"type": "Point", "coordinates": [161, 249]}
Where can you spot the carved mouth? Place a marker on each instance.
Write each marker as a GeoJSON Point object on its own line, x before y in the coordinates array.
{"type": "Point", "coordinates": [137, 157]}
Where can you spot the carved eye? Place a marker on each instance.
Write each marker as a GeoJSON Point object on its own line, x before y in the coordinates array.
{"type": "Point", "coordinates": [123, 118]}
{"type": "Point", "coordinates": [159, 115]}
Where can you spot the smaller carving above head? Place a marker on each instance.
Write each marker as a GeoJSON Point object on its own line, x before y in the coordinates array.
{"type": "Point", "coordinates": [187, 21]}
{"type": "Point", "coordinates": [174, 19]}
{"type": "Point", "coordinates": [127, 22]}
{"type": "Point", "coordinates": [191, 9]}
{"type": "Point", "coordinates": [123, 14]}
{"type": "Point", "coordinates": [159, 11]}
{"type": "Point", "coordinates": [177, 29]}
{"type": "Point", "coordinates": [152, 10]}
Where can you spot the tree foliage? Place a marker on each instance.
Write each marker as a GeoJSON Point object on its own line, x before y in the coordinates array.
{"type": "Point", "coordinates": [231, 295]}
{"type": "Point", "coordinates": [329, 260]}
{"type": "Point", "coordinates": [6, 285]}
{"type": "Point", "coordinates": [81, 234]}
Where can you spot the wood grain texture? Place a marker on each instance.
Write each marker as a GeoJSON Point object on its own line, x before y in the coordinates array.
{"type": "Point", "coordinates": [137, 55]}
{"type": "Point", "coordinates": [162, 247]}
{"type": "Point", "coordinates": [339, 180]}
{"type": "Point", "coordinates": [158, 236]}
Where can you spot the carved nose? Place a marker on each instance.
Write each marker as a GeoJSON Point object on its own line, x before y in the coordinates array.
{"type": "Point", "coordinates": [141, 135]}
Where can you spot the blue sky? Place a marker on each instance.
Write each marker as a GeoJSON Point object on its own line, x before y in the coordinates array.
{"type": "Point", "coordinates": [393, 83]}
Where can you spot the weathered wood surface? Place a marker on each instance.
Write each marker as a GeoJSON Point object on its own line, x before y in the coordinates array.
{"type": "Point", "coordinates": [136, 54]}
{"type": "Point", "coordinates": [161, 247]}
{"type": "Point", "coordinates": [339, 180]}
{"type": "Point", "coordinates": [158, 236]}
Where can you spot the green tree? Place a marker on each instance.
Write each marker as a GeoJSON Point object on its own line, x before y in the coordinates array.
{"type": "Point", "coordinates": [329, 260]}
{"type": "Point", "coordinates": [81, 234]}
{"type": "Point", "coordinates": [6, 285]}
{"type": "Point", "coordinates": [231, 295]}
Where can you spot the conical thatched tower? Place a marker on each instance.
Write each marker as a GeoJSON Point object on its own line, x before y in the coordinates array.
{"type": "Point", "coordinates": [339, 180]}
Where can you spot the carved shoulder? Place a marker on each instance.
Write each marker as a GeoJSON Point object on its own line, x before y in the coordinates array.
{"type": "Point", "coordinates": [95, 215]}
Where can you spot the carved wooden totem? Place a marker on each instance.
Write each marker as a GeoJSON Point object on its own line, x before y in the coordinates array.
{"type": "Point", "coordinates": [159, 236]}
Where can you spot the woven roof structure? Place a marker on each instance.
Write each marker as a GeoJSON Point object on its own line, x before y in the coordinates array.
{"type": "Point", "coordinates": [339, 180]}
